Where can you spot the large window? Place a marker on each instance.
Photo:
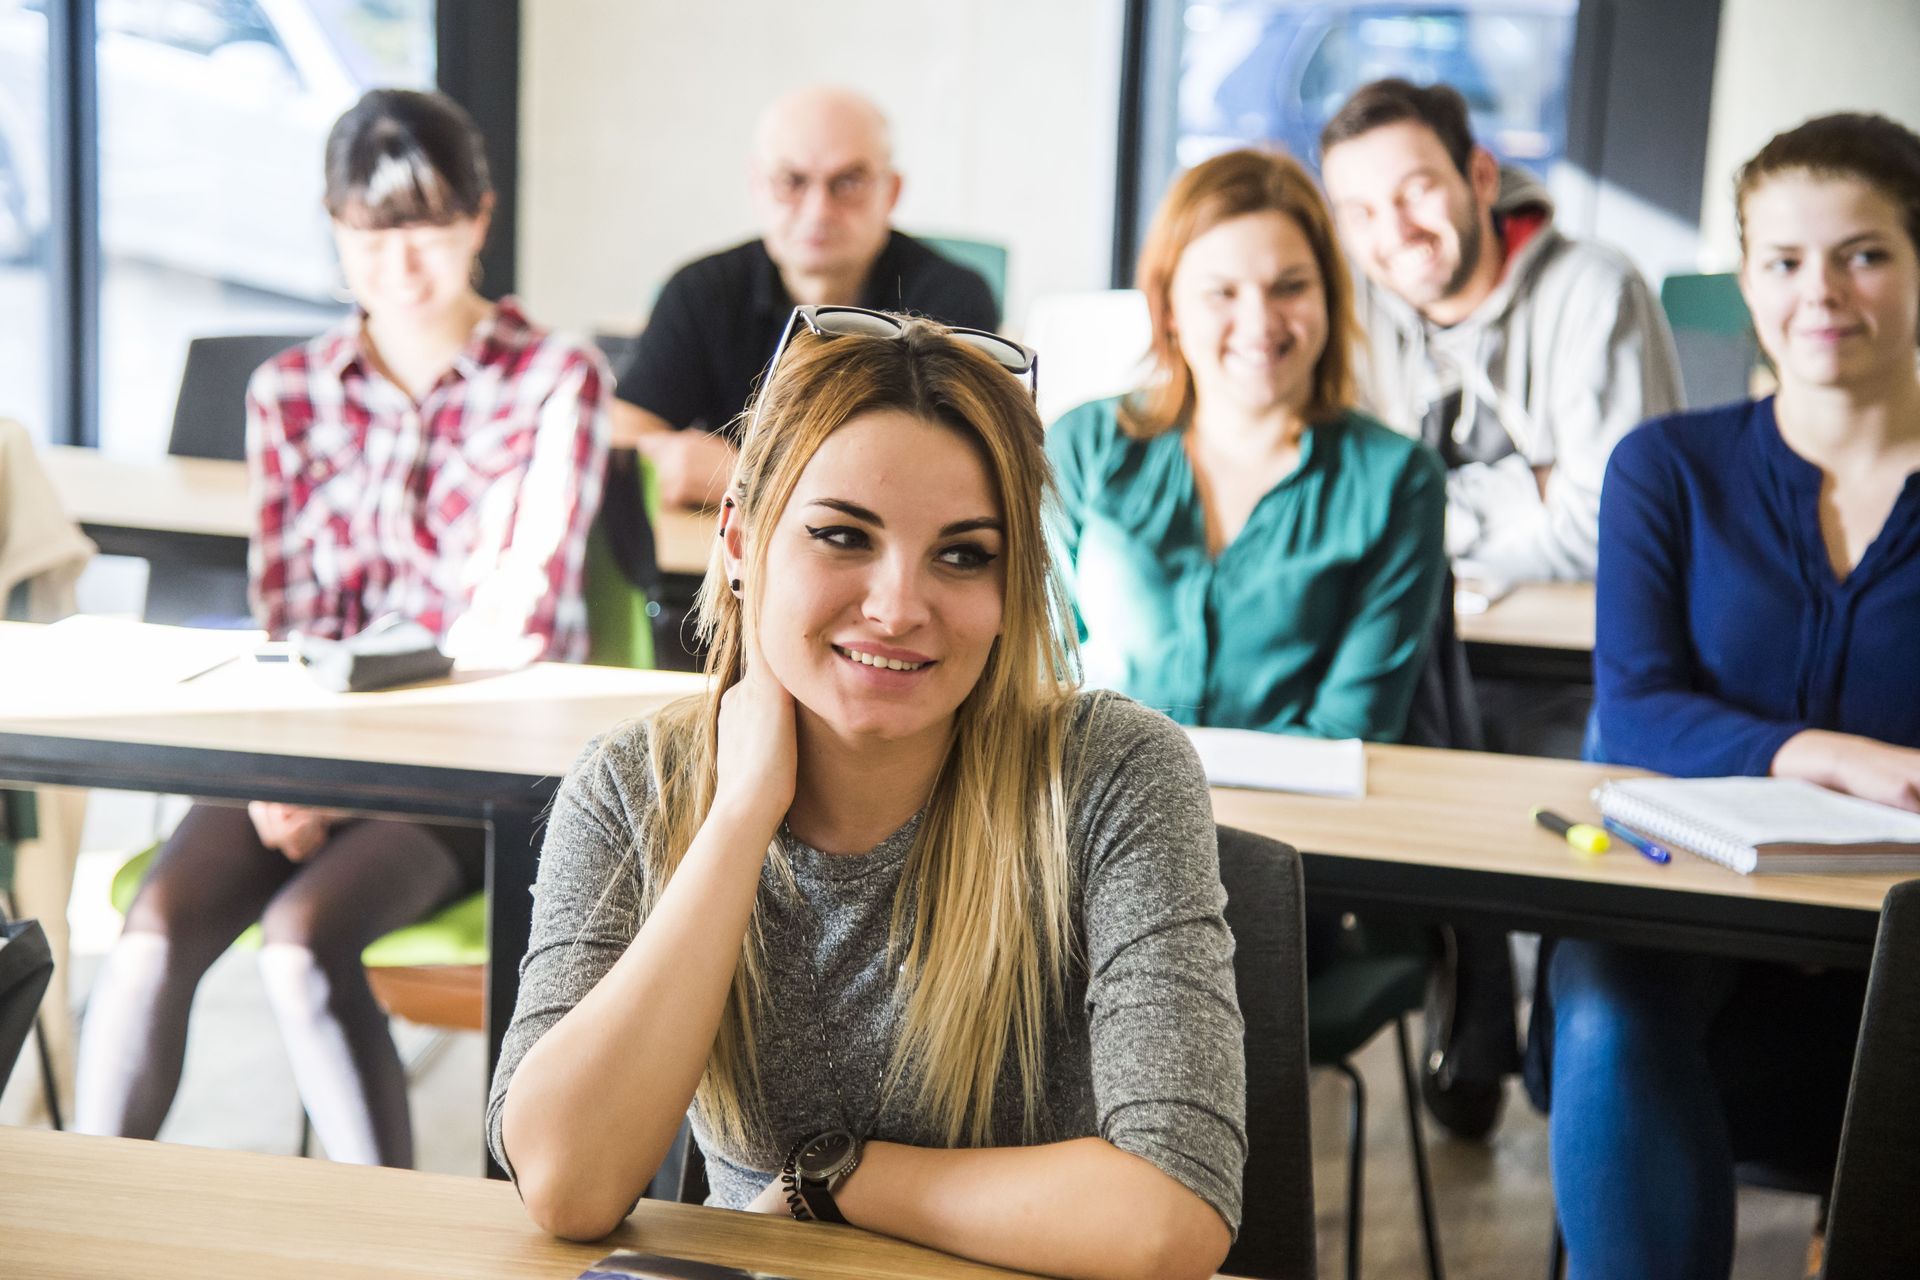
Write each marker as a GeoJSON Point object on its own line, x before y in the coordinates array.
{"type": "Point", "coordinates": [213, 117]}
{"type": "Point", "coordinates": [1607, 100]}
{"type": "Point", "coordinates": [1274, 71]}
{"type": "Point", "coordinates": [183, 197]}
{"type": "Point", "coordinates": [1216, 74]}
{"type": "Point", "coordinates": [25, 180]}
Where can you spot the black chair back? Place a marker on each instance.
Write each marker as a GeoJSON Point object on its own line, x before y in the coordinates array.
{"type": "Point", "coordinates": [26, 966]}
{"type": "Point", "coordinates": [1445, 711]}
{"type": "Point", "coordinates": [1264, 910]}
{"type": "Point", "coordinates": [210, 415]}
{"type": "Point", "coordinates": [1872, 1229]}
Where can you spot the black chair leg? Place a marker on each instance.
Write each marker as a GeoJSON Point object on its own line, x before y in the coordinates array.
{"type": "Point", "coordinates": [1416, 1140]}
{"type": "Point", "coordinates": [1356, 1164]}
{"type": "Point", "coordinates": [306, 1133]}
{"type": "Point", "coordinates": [48, 1085]}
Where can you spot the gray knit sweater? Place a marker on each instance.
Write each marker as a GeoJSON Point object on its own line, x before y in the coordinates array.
{"type": "Point", "coordinates": [1149, 1059]}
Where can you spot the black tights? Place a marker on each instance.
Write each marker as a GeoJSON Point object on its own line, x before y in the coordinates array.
{"type": "Point", "coordinates": [212, 880]}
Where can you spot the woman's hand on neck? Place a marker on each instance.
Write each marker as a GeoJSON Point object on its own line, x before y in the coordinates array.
{"type": "Point", "coordinates": [415, 352]}
{"type": "Point", "coordinates": [854, 792]}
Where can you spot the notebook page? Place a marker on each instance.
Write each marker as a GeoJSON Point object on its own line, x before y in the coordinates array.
{"type": "Point", "coordinates": [1281, 762]}
{"type": "Point", "coordinates": [1758, 812]}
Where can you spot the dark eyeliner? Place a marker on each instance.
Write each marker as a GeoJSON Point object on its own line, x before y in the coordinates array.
{"type": "Point", "coordinates": [977, 556]}
{"type": "Point", "coordinates": [839, 536]}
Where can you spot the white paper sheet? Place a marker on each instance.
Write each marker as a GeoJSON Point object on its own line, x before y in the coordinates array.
{"type": "Point", "coordinates": [1282, 762]}
{"type": "Point", "coordinates": [118, 651]}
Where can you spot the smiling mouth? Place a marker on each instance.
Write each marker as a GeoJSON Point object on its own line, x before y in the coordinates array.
{"type": "Point", "coordinates": [1265, 358]}
{"type": "Point", "coordinates": [879, 663]}
{"type": "Point", "coordinates": [1415, 257]}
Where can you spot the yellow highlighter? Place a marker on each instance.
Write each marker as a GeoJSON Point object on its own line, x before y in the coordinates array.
{"type": "Point", "coordinates": [1584, 837]}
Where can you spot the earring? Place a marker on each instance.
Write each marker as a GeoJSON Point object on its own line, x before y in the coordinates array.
{"type": "Point", "coordinates": [735, 584]}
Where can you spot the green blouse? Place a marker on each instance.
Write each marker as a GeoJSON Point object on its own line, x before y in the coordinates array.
{"type": "Point", "coordinates": [1314, 620]}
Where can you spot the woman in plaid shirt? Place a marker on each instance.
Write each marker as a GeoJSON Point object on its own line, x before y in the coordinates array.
{"type": "Point", "coordinates": [436, 457]}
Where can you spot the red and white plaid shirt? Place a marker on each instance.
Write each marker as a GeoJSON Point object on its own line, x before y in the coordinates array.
{"type": "Point", "coordinates": [467, 512]}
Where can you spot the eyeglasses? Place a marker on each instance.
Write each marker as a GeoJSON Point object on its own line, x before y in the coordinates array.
{"type": "Point", "coordinates": [859, 322]}
{"type": "Point", "coordinates": [790, 187]}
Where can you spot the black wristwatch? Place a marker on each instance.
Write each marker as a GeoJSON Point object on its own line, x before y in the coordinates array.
{"type": "Point", "coordinates": [815, 1169]}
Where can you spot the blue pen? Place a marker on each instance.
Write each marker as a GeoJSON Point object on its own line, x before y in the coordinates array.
{"type": "Point", "coordinates": [1654, 852]}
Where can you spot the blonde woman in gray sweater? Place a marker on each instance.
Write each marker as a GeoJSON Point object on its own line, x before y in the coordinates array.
{"type": "Point", "coordinates": [928, 941]}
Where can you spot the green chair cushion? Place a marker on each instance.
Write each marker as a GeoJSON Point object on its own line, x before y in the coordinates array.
{"type": "Point", "coordinates": [619, 628]}
{"type": "Point", "coordinates": [455, 934]}
{"type": "Point", "coordinates": [1349, 1001]}
{"type": "Point", "coordinates": [127, 880]}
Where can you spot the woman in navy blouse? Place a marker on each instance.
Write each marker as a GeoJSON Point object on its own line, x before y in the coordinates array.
{"type": "Point", "coordinates": [1759, 593]}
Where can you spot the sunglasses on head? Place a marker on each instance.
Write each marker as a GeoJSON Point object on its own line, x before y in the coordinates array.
{"type": "Point", "coordinates": [859, 322]}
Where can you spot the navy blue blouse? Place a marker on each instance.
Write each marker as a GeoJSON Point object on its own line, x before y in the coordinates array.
{"type": "Point", "coordinates": [1722, 628]}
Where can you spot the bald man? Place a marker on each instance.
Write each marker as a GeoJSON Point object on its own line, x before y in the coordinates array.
{"type": "Point", "coordinates": [824, 188]}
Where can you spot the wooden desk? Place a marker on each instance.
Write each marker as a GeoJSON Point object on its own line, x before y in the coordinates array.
{"type": "Point", "coordinates": [196, 510]}
{"type": "Point", "coordinates": [1440, 834]}
{"type": "Point", "coordinates": [1449, 835]}
{"type": "Point", "coordinates": [481, 749]}
{"type": "Point", "coordinates": [185, 510]}
{"type": "Point", "coordinates": [1539, 630]}
{"type": "Point", "coordinates": [73, 1207]}
{"type": "Point", "coordinates": [138, 508]}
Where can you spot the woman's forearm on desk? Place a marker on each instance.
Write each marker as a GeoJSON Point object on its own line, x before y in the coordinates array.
{"type": "Point", "coordinates": [1864, 767]}
{"type": "Point", "coordinates": [1083, 1208]}
{"type": "Point", "coordinates": [596, 1102]}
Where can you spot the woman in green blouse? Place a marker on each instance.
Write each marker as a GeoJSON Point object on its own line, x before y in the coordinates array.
{"type": "Point", "coordinates": [1245, 548]}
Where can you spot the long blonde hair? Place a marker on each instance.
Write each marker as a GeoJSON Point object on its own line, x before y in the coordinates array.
{"type": "Point", "coordinates": [982, 924]}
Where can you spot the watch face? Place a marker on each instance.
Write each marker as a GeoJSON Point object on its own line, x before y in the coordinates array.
{"type": "Point", "coordinates": [823, 1156]}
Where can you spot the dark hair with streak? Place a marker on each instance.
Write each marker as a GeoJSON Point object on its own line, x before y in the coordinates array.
{"type": "Point", "coordinates": [399, 157]}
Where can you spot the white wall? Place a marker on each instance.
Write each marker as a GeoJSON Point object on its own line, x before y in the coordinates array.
{"type": "Point", "coordinates": [636, 117]}
{"type": "Point", "coordinates": [1783, 61]}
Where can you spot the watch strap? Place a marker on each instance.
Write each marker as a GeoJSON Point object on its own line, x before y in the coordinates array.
{"type": "Point", "coordinates": [810, 1199]}
{"type": "Point", "coordinates": [819, 1201]}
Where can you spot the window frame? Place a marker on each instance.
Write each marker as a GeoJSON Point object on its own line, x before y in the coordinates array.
{"type": "Point", "coordinates": [1639, 66]}
{"type": "Point", "coordinates": [477, 64]}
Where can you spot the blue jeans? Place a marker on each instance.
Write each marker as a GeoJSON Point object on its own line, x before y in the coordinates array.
{"type": "Point", "coordinates": [1666, 1068]}
{"type": "Point", "coordinates": [1642, 1165]}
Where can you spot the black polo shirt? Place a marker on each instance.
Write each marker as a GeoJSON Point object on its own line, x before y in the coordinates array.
{"type": "Point", "coordinates": [717, 321]}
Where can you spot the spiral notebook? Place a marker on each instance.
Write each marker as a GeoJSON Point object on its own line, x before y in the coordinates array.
{"type": "Point", "coordinates": [1767, 824]}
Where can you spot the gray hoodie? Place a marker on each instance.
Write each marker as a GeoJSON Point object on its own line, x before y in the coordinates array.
{"type": "Point", "coordinates": [1566, 355]}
